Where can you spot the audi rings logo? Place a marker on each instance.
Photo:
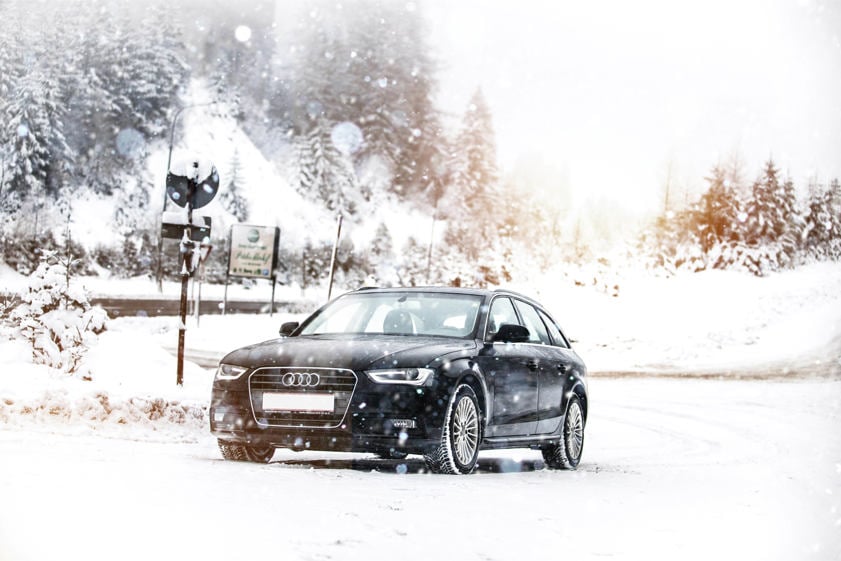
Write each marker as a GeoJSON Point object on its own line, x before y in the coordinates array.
{"type": "Point", "coordinates": [301, 379]}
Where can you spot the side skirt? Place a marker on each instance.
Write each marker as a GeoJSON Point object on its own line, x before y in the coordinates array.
{"type": "Point", "coordinates": [535, 442]}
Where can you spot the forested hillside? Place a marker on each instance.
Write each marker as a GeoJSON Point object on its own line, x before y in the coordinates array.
{"type": "Point", "coordinates": [341, 98]}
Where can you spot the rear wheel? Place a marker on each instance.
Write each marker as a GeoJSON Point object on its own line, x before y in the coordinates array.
{"type": "Point", "coordinates": [261, 455]}
{"type": "Point", "coordinates": [459, 449]}
{"type": "Point", "coordinates": [566, 454]}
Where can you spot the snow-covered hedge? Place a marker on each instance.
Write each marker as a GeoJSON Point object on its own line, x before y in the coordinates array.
{"type": "Point", "coordinates": [56, 318]}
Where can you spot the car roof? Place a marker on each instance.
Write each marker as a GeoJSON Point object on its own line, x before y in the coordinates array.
{"type": "Point", "coordinates": [438, 289]}
{"type": "Point", "coordinates": [449, 290]}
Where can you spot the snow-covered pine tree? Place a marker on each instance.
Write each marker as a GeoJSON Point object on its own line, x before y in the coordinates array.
{"type": "Point", "coordinates": [835, 212]}
{"type": "Point", "coordinates": [39, 153]}
{"type": "Point", "coordinates": [394, 75]}
{"type": "Point", "coordinates": [316, 262]}
{"type": "Point", "coordinates": [230, 197]}
{"type": "Point", "coordinates": [822, 222]}
{"type": "Point", "coordinates": [769, 210]}
{"type": "Point", "coordinates": [473, 189]}
{"type": "Point", "coordinates": [475, 175]}
{"type": "Point", "coordinates": [413, 260]}
{"type": "Point", "coordinates": [324, 173]}
{"type": "Point", "coordinates": [369, 66]}
{"type": "Point", "coordinates": [381, 256]}
{"type": "Point", "coordinates": [818, 222]}
{"type": "Point", "coordinates": [762, 215]}
{"type": "Point", "coordinates": [717, 211]}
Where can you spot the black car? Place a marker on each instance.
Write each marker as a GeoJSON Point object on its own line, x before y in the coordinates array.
{"type": "Point", "coordinates": [442, 372]}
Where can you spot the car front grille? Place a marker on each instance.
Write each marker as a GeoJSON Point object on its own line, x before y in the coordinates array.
{"type": "Point", "coordinates": [267, 384]}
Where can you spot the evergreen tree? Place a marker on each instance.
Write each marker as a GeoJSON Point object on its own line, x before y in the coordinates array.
{"type": "Point", "coordinates": [769, 208]}
{"type": "Point", "coordinates": [381, 256]}
{"type": "Point", "coordinates": [412, 270]}
{"type": "Point", "coordinates": [230, 198]}
{"type": "Point", "coordinates": [38, 154]}
{"type": "Point", "coordinates": [474, 169]}
{"type": "Point", "coordinates": [818, 218]}
{"type": "Point", "coordinates": [367, 64]}
{"type": "Point", "coordinates": [473, 190]}
{"type": "Point", "coordinates": [718, 212]}
{"type": "Point", "coordinates": [822, 222]}
{"type": "Point", "coordinates": [834, 205]}
{"type": "Point", "coordinates": [324, 173]}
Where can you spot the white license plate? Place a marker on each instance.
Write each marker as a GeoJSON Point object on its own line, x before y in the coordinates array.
{"type": "Point", "coordinates": [313, 402]}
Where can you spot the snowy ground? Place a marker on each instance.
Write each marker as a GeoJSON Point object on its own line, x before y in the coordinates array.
{"type": "Point", "coordinates": [673, 469]}
{"type": "Point", "coordinates": [122, 465]}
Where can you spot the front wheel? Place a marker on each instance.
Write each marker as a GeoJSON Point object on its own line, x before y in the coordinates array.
{"type": "Point", "coordinates": [241, 453]}
{"type": "Point", "coordinates": [567, 453]}
{"type": "Point", "coordinates": [459, 449]}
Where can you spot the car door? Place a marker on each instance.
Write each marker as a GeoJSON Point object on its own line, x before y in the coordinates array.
{"type": "Point", "coordinates": [511, 374]}
{"type": "Point", "coordinates": [554, 364]}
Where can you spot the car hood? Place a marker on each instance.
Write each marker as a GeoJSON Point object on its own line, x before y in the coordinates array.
{"type": "Point", "coordinates": [347, 351]}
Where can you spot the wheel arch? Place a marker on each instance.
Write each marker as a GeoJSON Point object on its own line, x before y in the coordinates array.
{"type": "Point", "coordinates": [580, 391]}
{"type": "Point", "coordinates": [470, 374]}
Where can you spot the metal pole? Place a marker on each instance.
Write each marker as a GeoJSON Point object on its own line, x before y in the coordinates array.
{"type": "Point", "coordinates": [274, 283]}
{"type": "Point", "coordinates": [228, 271]}
{"type": "Point", "coordinates": [186, 268]}
{"type": "Point", "coordinates": [200, 274]}
{"type": "Point", "coordinates": [333, 260]}
{"type": "Point", "coordinates": [431, 241]}
{"type": "Point", "coordinates": [179, 379]}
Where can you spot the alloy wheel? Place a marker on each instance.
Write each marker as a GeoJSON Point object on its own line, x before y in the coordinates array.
{"type": "Point", "coordinates": [574, 432]}
{"type": "Point", "coordinates": [465, 430]}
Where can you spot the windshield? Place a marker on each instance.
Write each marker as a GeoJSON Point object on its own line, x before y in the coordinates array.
{"type": "Point", "coordinates": [398, 313]}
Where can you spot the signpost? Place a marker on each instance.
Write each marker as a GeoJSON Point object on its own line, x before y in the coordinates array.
{"type": "Point", "coordinates": [252, 253]}
{"type": "Point", "coordinates": [190, 186]}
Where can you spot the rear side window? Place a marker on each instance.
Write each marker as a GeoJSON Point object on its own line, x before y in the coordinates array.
{"type": "Point", "coordinates": [532, 321]}
{"type": "Point", "coordinates": [557, 337]}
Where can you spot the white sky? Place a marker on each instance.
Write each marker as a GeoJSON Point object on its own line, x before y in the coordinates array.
{"type": "Point", "coordinates": [607, 93]}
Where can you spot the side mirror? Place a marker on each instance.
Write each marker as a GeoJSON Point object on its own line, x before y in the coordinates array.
{"type": "Point", "coordinates": [287, 328]}
{"type": "Point", "coordinates": [511, 333]}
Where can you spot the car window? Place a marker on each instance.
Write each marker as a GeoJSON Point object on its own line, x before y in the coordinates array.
{"type": "Point", "coordinates": [411, 313]}
{"type": "Point", "coordinates": [532, 321]}
{"type": "Point", "coordinates": [502, 311]}
{"type": "Point", "coordinates": [557, 337]}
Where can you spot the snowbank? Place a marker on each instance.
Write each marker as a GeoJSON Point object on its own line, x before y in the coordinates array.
{"type": "Point", "coordinates": [712, 322]}
{"type": "Point", "coordinates": [715, 323]}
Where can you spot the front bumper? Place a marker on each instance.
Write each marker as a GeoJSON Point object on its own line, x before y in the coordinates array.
{"type": "Point", "coordinates": [369, 417]}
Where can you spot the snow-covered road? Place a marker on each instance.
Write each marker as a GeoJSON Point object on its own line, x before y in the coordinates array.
{"type": "Point", "coordinates": [673, 469]}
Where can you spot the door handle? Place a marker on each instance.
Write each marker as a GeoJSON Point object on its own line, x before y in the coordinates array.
{"type": "Point", "coordinates": [532, 364]}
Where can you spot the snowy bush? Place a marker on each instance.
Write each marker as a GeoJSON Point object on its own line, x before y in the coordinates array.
{"type": "Point", "coordinates": [56, 318]}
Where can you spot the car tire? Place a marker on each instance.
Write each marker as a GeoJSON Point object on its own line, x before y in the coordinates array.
{"type": "Point", "coordinates": [260, 455]}
{"type": "Point", "coordinates": [231, 451]}
{"type": "Point", "coordinates": [240, 453]}
{"type": "Point", "coordinates": [462, 435]}
{"type": "Point", "coordinates": [566, 454]}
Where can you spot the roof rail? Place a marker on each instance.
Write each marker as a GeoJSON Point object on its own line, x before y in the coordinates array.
{"type": "Point", "coordinates": [513, 293]}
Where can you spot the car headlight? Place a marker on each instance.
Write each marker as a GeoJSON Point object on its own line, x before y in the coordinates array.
{"type": "Point", "coordinates": [410, 376]}
{"type": "Point", "coordinates": [229, 372]}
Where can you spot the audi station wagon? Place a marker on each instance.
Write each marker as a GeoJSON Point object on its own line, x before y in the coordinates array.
{"type": "Point", "coordinates": [440, 372]}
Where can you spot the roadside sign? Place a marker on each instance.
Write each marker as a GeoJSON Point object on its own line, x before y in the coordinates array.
{"type": "Point", "coordinates": [175, 229]}
{"type": "Point", "coordinates": [196, 183]}
{"type": "Point", "coordinates": [253, 251]}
